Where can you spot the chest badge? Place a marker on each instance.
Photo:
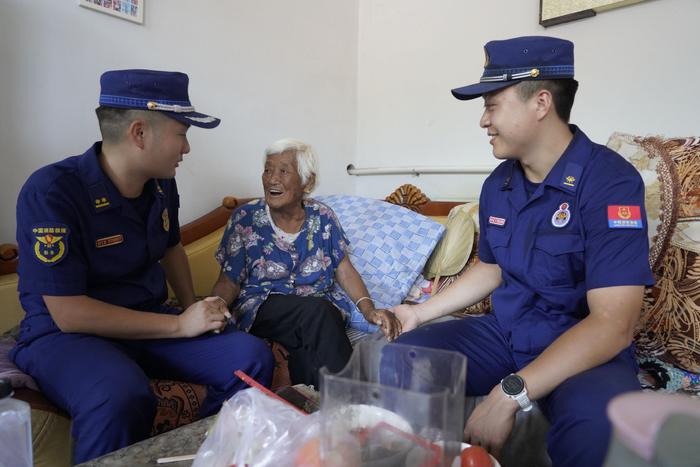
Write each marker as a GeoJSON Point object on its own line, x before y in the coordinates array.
{"type": "Point", "coordinates": [51, 243]}
{"type": "Point", "coordinates": [166, 220]}
{"type": "Point", "coordinates": [561, 216]}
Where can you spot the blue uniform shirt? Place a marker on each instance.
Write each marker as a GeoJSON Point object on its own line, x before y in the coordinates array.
{"type": "Point", "coordinates": [78, 236]}
{"type": "Point", "coordinates": [583, 228]}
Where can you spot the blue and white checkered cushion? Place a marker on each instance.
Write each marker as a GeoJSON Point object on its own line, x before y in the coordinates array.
{"type": "Point", "coordinates": [389, 246]}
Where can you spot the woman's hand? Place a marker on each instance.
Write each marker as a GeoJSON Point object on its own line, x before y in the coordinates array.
{"type": "Point", "coordinates": [387, 322]}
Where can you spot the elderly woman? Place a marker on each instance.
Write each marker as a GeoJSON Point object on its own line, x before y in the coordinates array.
{"type": "Point", "coordinates": [280, 258]}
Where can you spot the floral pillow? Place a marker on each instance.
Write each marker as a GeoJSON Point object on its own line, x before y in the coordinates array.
{"type": "Point", "coordinates": [670, 167]}
{"type": "Point", "coordinates": [389, 246]}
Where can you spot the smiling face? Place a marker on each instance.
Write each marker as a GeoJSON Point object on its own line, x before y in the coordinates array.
{"type": "Point", "coordinates": [168, 145]}
{"type": "Point", "coordinates": [281, 181]}
{"type": "Point", "coordinates": [510, 122]}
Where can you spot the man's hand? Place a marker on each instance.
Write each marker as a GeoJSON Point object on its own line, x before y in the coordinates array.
{"type": "Point", "coordinates": [491, 422]}
{"type": "Point", "coordinates": [203, 316]}
{"type": "Point", "coordinates": [387, 322]}
{"type": "Point", "coordinates": [408, 316]}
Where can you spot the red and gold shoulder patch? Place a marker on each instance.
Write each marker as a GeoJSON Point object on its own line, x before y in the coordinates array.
{"type": "Point", "coordinates": [624, 217]}
{"type": "Point", "coordinates": [50, 243]}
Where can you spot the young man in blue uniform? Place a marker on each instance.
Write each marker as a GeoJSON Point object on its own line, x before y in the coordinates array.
{"type": "Point", "coordinates": [98, 236]}
{"type": "Point", "coordinates": [564, 253]}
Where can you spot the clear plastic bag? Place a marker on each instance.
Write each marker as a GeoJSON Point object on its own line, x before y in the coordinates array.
{"type": "Point", "coordinates": [253, 429]}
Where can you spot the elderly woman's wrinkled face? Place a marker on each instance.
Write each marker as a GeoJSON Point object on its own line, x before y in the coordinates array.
{"type": "Point", "coordinates": [281, 181]}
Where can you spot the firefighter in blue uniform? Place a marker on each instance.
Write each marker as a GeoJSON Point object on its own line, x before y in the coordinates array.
{"type": "Point", "coordinates": [564, 253]}
{"type": "Point", "coordinates": [98, 236]}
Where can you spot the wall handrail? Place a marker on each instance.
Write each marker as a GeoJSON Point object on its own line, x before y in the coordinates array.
{"type": "Point", "coordinates": [416, 171]}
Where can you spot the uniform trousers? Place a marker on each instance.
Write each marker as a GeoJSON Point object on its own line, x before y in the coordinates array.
{"type": "Point", "coordinates": [104, 383]}
{"type": "Point", "coordinates": [579, 428]}
{"type": "Point", "coordinates": [312, 330]}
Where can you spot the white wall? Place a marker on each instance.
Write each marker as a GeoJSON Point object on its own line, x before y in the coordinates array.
{"type": "Point", "coordinates": [637, 67]}
{"type": "Point", "coordinates": [366, 81]}
{"type": "Point", "coordinates": [269, 69]}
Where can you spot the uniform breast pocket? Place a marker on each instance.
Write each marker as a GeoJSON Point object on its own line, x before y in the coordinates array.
{"type": "Point", "coordinates": [499, 240]}
{"type": "Point", "coordinates": [558, 260]}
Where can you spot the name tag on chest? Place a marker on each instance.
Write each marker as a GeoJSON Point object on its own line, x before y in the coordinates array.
{"type": "Point", "coordinates": [109, 241]}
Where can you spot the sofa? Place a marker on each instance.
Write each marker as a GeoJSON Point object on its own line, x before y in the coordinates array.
{"type": "Point", "coordinates": [668, 338]}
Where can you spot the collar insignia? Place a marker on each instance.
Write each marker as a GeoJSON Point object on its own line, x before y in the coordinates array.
{"type": "Point", "coordinates": [571, 176]}
{"type": "Point", "coordinates": [101, 202]}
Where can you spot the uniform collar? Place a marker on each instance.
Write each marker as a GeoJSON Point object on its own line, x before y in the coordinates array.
{"type": "Point", "coordinates": [102, 195]}
{"type": "Point", "coordinates": [566, 173]}
{"type": "Point", "coordinates": [101, 192]}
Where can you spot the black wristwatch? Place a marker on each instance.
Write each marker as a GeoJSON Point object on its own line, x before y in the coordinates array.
{"type": "Point", "coordinates": [513, 386]}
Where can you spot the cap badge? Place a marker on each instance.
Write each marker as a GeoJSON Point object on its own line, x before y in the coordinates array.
{"type": "Point", "coordinates": [561, 216]}
{"type": "Point", "coordinates": [166, 220]}
{"type": "Point", "coordinates": [50, 246]}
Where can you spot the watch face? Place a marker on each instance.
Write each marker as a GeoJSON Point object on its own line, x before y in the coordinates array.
{"type": "Point", "coordinates": [513, 385]}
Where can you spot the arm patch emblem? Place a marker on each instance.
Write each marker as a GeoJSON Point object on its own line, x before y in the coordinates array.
{"type": "Point", "coordinates": [624, 217]}
{"type": "Point", "coordinates": [50, 243]}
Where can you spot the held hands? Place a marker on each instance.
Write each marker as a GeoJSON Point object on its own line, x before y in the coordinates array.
{"type": "Point", "coordinates": [491, 422]}
{"type": "Point", "coordinates": [210, 314]}
{"type": "Point", "coordinates": [408, 315]}
{"type": "Point", "coordinates": [387, 322]}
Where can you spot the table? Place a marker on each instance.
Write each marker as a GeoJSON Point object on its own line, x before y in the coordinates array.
{"type": "Point", "coordinates": [180, 441]}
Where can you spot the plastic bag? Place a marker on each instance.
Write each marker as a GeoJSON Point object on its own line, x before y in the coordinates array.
{"type": "Point", "coordinates": [251, 429]}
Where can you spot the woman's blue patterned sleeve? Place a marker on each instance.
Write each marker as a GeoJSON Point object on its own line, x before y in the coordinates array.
{"type": "Point", "coordinates": [231, 253]}
{"type": "Point", "coordinates": [334, 234]}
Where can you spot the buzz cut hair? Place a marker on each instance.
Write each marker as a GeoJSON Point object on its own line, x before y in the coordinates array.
{"type": "Point", "coordinates": [307, 160]}
{"type": "Point", "coordinates": [115, 121]}
{"type": "Point", "coordinates": [563, 93]}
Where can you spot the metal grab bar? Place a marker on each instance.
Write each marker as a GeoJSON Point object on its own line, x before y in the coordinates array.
{"type": "Point", "coordinates": [416, 171]}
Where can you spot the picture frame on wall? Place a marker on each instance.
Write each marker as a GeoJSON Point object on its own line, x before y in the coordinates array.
{"type": "Point", "coordinates": [131, 10]}
{"type": "Point", "coordinates": [562, 11]}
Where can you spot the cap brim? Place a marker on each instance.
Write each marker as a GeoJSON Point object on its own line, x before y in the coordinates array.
{"type": "Point", "coordinates": [479, 89]}
{"type": "Point", "coordinates": [195, 119]}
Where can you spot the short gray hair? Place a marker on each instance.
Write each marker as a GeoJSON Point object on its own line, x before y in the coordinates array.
{"type": "Point", "coordinates": [307, 161]}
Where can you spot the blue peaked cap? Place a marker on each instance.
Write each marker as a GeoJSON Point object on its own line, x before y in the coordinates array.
{"type": "Point", "coordinates": [511, 61]}
{"type": "Point", "coordinates": [162, 91]}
